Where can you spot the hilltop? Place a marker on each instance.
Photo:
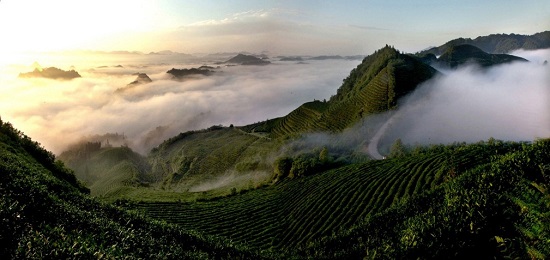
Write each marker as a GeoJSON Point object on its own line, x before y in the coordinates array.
{"type": "Point", "coordinates": [142, 78]}
{"type": "Point", "coordinates": [373, 86]}
{"type": "Point", "coordinates": [497, 43]}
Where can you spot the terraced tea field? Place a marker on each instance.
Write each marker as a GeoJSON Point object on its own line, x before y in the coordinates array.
{"type": "Point", "coordinates": [295, 212]}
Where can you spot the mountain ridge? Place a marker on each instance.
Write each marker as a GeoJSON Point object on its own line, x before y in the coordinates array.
{"type": "Point", "coordinates": [497, 43]}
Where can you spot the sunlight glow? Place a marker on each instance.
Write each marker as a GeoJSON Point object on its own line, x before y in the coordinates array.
{"type": "Point", "coordinates": [64, 24]}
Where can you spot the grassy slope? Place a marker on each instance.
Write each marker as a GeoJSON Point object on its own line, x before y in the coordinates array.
{"type": "Point", "coordinates": [45, 213]}
{"type": "Point", "coordinates": [108, 169]}
{"type": "Point", "coordinates": [202, 157]}
{"type": "Point", "coordinates": [496, 210]}
{"type": "Point", "coordinates": [482, 200]}
{"type": "Point", "coordinates": [295, 213]}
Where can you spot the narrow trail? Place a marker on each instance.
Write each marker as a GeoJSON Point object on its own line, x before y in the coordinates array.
{"type": "Point", "coordinates": [372, 148]}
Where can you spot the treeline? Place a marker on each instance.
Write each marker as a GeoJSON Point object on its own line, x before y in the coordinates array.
{"type": "Point", "coordinates": [305, 164]}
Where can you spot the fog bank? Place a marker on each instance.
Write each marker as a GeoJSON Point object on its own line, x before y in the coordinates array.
{"type": "Point", "coordinates": [507, 102]}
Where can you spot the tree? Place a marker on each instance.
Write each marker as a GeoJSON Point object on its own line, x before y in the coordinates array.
{"type": "Point", "coordinates": [282, 167]}
{"type": "Point", "coordinates": [397, 149]}
{"type": "Point", "coordinates": [324, 156]}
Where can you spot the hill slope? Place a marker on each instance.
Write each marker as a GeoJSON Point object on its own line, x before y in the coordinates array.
{"type": "Point", "coordinates": [46, 213]}
{"type": "Point", "coordinates": [373, 86]}
{"type": "Point", "coordinates": [479, 200]}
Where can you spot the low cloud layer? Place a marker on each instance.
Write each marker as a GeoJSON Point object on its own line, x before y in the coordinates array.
{"type": "Point", "coordinates": [508, 102]}
{"type": "Point", "coordinates": [58, 113]}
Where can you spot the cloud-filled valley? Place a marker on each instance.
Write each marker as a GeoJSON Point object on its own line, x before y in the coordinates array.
{"type": "Point", "coordinates": [58, 113]}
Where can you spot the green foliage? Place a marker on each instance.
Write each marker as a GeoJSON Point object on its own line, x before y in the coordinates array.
{"type": "Point", "coordinates": [209, 154]}
{"type": "Point", "coordinates": [296, 213]}
{"type": "Point", "coordinates": [282, 166]}
{"type": "Point", "coordinates": [397, 149]}
{"type": "Point", "coordinates": [494, 205]}
{"type": "Point", "coordinates": [493, 210]}
{"type": "Point", "coordinates": [45, 215]}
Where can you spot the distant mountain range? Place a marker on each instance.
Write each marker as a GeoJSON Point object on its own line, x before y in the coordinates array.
{"type": "Point", "coordinates": [497, 43]}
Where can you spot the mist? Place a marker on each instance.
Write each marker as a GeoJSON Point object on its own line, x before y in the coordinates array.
{"type": "Point", "coordinates": [242, 181]}
{"type": "Point", "coordinates": [59, 113]}
{"type": "Point", "coordinates": [507, 102]}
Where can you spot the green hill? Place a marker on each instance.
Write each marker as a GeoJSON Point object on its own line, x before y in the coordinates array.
{"type": "Point", "coordinates": [498, 43]}
{"type": "Point", "coordinates": [373, 86]}
{"type": "Point", "coordinates": [46, 213]}
{"type": "Point", "coordinates": [465, 53]}
{"type": "Point", "coordinates": [106, 169]}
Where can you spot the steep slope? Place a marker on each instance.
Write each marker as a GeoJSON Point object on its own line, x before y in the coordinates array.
{"type": "Point", "coordinates": [45, 213]}
{"type": "Point", "coordinates": [498, 43]}
{"type": "Point", "coordinates": [465, 53]}
{"type": "Point", "coordinates": [374, 86]}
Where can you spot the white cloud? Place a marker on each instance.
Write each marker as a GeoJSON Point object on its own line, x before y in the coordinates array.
{"type": "Point", "coordinates": [508, 102]}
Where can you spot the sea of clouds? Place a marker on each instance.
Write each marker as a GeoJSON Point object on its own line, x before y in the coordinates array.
{"type": "Point", "coordinates": [59, 113]}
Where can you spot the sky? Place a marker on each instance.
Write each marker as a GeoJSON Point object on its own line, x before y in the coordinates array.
{"type": "Point", "coordinates": [280, 27]}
